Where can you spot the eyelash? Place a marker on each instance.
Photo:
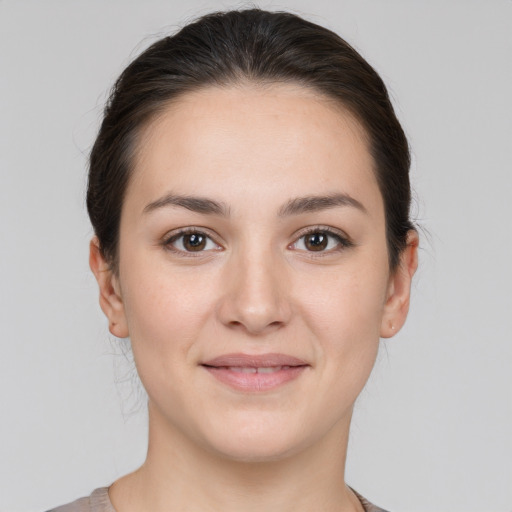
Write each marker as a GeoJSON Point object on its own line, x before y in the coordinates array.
{"type": "Point", "coordinates": [343, 242]}
{"type": "Point", "coordinates": [170, 240]}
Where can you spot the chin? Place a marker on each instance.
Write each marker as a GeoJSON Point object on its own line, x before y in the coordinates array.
{"type": "Point", "coordinates": [251, 452]}
{"type": "Point", "coordinates": [256, 443]}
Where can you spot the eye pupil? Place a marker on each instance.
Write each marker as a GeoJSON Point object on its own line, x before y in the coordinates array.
{"type": "Point", "coordinates": [316, 241]}
{"type": "Point", "coordinates": [194, 242]}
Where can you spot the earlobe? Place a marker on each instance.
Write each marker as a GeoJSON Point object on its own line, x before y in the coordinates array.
{"type": "Point", "coordinates": [399, 288]}
{"type": "Point", "coordinates": [111, 301]}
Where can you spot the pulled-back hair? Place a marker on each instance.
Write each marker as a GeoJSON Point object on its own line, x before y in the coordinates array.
{"type": "Point", "coordinates": [226, 48]}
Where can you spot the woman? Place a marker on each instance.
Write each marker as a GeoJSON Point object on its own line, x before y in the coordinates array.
{"type": "Point", "coordinates": [249, 193]}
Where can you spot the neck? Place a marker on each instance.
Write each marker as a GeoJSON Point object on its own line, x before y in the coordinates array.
{"type": "Point", "coordinates": [179, 474]}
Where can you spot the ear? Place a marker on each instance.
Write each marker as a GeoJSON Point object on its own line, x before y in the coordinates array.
{"type": "Point", "coordinates": [399, 288]}
{"type": "Point", "coordinates": [111, 301]}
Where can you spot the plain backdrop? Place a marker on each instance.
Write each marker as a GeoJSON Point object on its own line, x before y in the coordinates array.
{"type": "Point", "coordinates": [433, 428]}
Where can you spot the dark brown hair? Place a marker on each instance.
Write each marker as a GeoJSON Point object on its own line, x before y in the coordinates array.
{"type": "Point", "coordinates": [225, 48]}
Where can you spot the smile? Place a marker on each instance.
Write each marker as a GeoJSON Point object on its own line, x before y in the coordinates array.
{"type": "Point", "coordinates": [255, 373]}
{"type": "Point", "coordinates": [249, 369]}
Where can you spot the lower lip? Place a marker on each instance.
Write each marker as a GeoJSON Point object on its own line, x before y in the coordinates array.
{"type": "Point", "coordinates": [255, 382]}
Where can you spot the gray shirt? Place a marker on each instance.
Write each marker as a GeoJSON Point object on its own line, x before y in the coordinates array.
{"type": "Point", "coordinates": [99, 501]}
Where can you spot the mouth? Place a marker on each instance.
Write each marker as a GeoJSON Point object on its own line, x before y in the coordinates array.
{"type": "Point", "coordinates": [255, 373]}
{"type": "Point", "coordinates": [250, 369]}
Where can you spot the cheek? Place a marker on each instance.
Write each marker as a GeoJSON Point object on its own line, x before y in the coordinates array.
{"type": "Point", "coordinates": [345, 303]}
{"type": "Point", "coordinates": [165, 312]}
{"type": "Point", "coordinates": [344, 311]}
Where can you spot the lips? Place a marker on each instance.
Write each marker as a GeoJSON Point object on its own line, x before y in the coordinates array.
{"type": "Point", "coordinates": [255, 373]}
{"type": "Point", "coordinates": [250, 369]}
{"type": "Point", "coordinates": [255, 361]}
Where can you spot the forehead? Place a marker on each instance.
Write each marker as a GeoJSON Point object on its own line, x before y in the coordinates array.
{"type": "Point", "coordinates": [253, 140]}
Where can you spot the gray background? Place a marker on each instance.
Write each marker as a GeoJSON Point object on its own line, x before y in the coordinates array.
{"type": "Point", "coordinates": [432, 430]}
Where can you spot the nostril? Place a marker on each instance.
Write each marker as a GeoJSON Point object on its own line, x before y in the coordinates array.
{"type": "Point", "coordinates": [252, 328]}
{"type": "Point", "coordinates": [251, 310]}
{"type": "Point", "coordinates": [240, 326]}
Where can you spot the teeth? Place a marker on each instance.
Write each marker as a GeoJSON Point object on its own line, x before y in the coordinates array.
{"type": "Point", "coordinates": [248, 369]}
{"type": "Point", "coordinates": [242, 369]}
{"type": "Point", "coordinates": [271, 369]}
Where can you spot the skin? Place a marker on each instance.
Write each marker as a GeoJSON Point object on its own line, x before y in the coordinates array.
{"type": "Point", "coordinates": [255, 288]}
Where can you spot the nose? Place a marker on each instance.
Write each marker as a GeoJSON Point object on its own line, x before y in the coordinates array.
{"type": "Point", "coordinates": [255, 300]}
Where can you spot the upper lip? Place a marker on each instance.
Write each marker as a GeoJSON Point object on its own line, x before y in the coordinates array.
{"type": "Point", "coordinates": [254, 361]}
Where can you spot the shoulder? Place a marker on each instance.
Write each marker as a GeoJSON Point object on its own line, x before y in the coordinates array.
{"type": "Point", "coordinates": [98, 501]}
{"type": "Point", "coordinates": [368, 507]}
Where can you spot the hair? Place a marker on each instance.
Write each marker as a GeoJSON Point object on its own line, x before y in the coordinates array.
{"type": "Point", "coordinates": [228, 48]}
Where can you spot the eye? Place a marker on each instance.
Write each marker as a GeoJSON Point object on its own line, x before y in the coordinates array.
{"type": "Point", "coordinates": [321, 240]}
{"type": "Point", "coordinates": [190, 241]}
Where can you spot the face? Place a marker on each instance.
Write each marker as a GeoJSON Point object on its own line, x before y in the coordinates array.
{"type": "Point", "coordinates": [253, 269]}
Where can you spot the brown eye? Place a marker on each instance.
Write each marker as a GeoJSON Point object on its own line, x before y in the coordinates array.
{"type": "Point", "coordinates": [194, 242]}
{"type": "Point", "coordinates": [322, 240]}
{"type": "Point", "coordinates": [188, 242]}
{"type": "Point", "coordinates": [316, 241]}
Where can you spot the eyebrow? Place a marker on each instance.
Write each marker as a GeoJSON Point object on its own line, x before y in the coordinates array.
{"type": "Point", "coordinates": [316, 203]}
{"type": "Point", "coordinates": [193, 203]}
{"type": "Point", "coordinates": [294, 206]}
